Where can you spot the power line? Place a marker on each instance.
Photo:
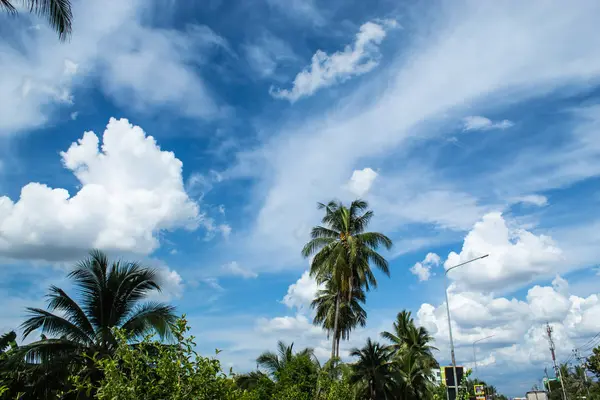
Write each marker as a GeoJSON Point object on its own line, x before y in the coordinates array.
{"type": "Point", "coordinates": [597, 336]}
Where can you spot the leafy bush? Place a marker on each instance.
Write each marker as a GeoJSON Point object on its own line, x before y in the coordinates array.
{"type": "Point", "coordinates": [153, 370]}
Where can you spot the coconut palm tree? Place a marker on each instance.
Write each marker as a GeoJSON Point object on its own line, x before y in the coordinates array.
{"type": "Point", "coordinates": [276, 362]}
{"type": "Point", "coordinates": [414, 376]}
{"type": "Point", "coordinates": [406, 337]}
{"type": "Point", "coordinates": [343, 252]}
{"type": "Point", "coordinates": [111, 296]}
{"type": "Point", "coordinates": [373, 371]}
{"type": "Point", "coordinates": [58, 13]}
{"type": "Point", "coordinates": [351, 312]}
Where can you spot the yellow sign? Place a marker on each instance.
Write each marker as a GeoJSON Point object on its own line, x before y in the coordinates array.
{"type": "Point", "coordinates": [480, 391]}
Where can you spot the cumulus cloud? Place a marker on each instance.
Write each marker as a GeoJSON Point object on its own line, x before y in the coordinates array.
{"type": "Point", "coordinates": [478, 123]}
{"type": "Point", "coordinates": [515, 255]}
{"type": "Point", "coordinates": [301, 293]}
{"type": "Point", "coordinates": [423, 269]}
{"type": "Point", "coordinates": [327, 70]}
{"type": "Point", "coordinates": [361, 181]}
{"type": "Point", "coordinates": [130, 190]}
{"type": "Point", "coordinates": [233, 268]}
{"type": "Point", "coordinates": [517, 326]}
{"type": "Point", "coordinates": [171, 284]}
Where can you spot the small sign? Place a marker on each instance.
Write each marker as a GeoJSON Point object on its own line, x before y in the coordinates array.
{"type": "Point", "coordinates": [480, 391]}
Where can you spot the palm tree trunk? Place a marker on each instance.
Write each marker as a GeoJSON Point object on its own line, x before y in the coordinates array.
{"type": "Point", "coordinates": [335, 326]}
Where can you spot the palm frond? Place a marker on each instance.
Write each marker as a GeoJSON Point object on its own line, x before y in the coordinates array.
{"type": "Point", "coordinates": [54, 325]}
{"type": "Point", "coordinates": [323, 232]}
{"type": "Point", "coordinates": [150, 317]}
{"type": "Point", "coordinates": [357, 206]}
{"type": "Point", "coordinates": [58, 13]}
{"type": "Point", "coordinates": [51, 349]}
{"type": "Point", "coordinates": [315, 245]}
{"type": "Point", "coordinates": [59, 300]}
{"type": "Point", "coordinates": [7, 6]}
{"type": "Point", "coordinates": [250, 380]}
{"type": "Point", "coordinates": [269, 361]}
{"type": "Point", "coordinates": [129, 283]}
{"type": "Point", "coordinates": [375, 239]}
{"type": "Point", "coordinates": [379, 261]}
{"type": "Point", "coordinates": [359, 224]}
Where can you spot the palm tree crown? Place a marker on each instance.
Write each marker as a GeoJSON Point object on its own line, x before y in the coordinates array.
{"type": "Point", "coordinates": [342, 250]}
{"type": "Point", "coordinates": [111, 296]}
{"type": "Point", "coordinates": [343, 254]}
{"type": "Point", "coordinates": [373, 370]}
{"type": "Point", "coordinates": [276, 362]}
{"type": "Point", "coordinates": [351, 313]}
{"type": "Point", "coordinates": [407, 338]}
{"type": "Point", "coordinates": [58, 13]}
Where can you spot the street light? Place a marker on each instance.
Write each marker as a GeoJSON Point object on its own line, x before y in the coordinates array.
{"type": "Point", "coordinates": [450, 323]}
{"type": "Point", "coordinates": [474, 354]}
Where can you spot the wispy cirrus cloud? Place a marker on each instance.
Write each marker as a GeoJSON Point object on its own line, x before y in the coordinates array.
{"type": "Point", "coordinates": [137, 66]}
{"type": "Point", "coordinates": [427, 85]}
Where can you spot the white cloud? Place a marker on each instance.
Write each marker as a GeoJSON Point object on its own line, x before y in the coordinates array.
{"type": "Point", "coordinates": [225, 230]}
{"type": "Point", "coordinates": [298, 324]}
{"type": "Point", "coordinates": [392, 118]}
{"type": "Point", "coordinates": [130, 191]}
{"type": "Point", "coordinates": [267, 53]}
{"type": "Point", "coordinates": [327, 70]}
{"type": "Point", "coordinates": [301, 10]}
{"type": "Point", "coordinates": [533, 199]}
{"type": "Point", "coordinates": [213, 283]}
{"type": "Point", "coordinates": [361, 181]}
{"type": "Point", "coordinates": [74, 115]}
{"type": "Point", "coordinates": [171, 284]}
{"type": "Point", "coordinates": [517, 325]}
{"type": "Point", "coordinates": [301, 293]}
{"type": "Point", "coordinates": [222, 209]}
{"type": "Point", "coordinates": [515, 255]}
{"type": "Point", "coordinates": [478, 123]}
{"type": "Point", "coordinates": [138, 67]}
{"type": "Point", "coordinates": [423, 269]}
{"type": "Point", "coordinates": [208, 223]}
{"type": "Point", "coordinates": [233, 268]}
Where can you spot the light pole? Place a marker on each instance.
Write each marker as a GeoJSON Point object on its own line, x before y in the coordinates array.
{"type": "Point", "coordinates": [450, 323]}
{"type": "Point", "coordinates": [475, 354]}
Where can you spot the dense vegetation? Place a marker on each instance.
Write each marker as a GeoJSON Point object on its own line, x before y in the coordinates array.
{"type": "Point", "coordinates": [107, 342]}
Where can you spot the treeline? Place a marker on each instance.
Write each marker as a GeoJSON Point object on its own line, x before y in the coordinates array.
{"type": "Point", "coordinates": [110, 343]}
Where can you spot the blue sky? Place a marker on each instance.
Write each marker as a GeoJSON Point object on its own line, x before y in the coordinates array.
{"type": "Point", "coordinates": [470, 127]}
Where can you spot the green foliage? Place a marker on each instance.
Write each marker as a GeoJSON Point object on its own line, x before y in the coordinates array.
{"type": "Point", "coordinates": [593, 362]}
{"type": "Point", "coordinates": [463, 391]}
{"type": "Point", "coordinates": [153, 370]}
{"type": "Point", "coordinates": [342, 257]}
{"type": "Point", "coordinates": [439, 392]}
{"type": "Point", "coordinates": [334, 383]}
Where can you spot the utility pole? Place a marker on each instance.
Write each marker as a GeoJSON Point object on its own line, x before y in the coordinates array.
{"type": "Point", "coordinates": [556, 368]}
{"type": "Point", "coordinates": [582, 366]}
